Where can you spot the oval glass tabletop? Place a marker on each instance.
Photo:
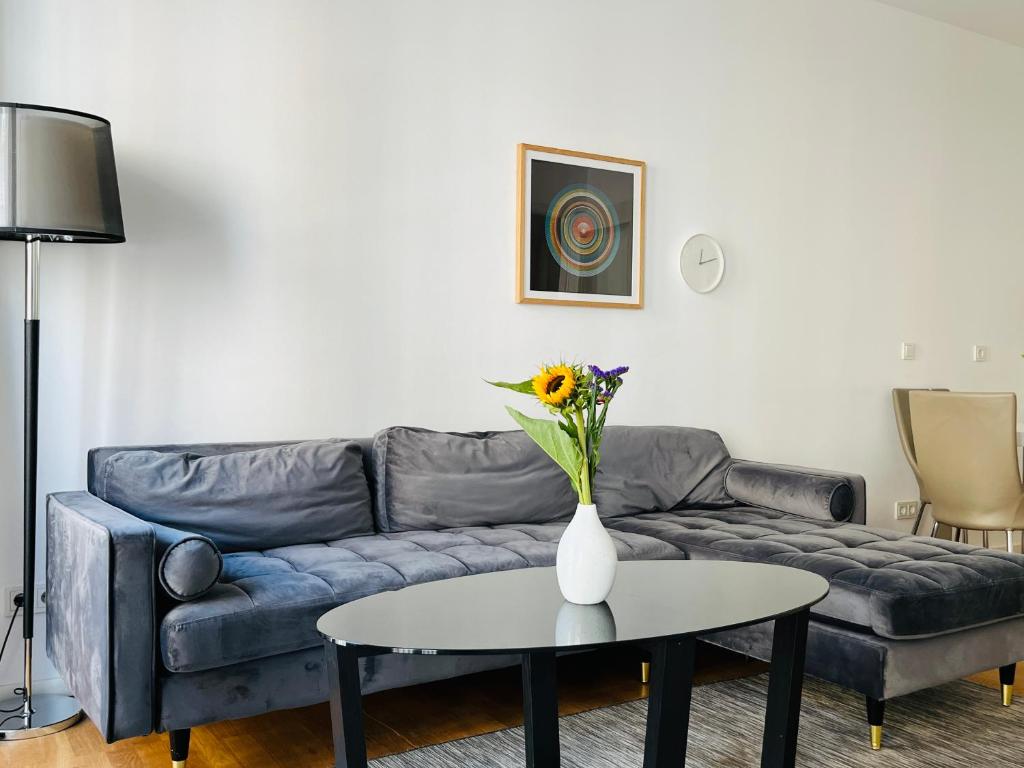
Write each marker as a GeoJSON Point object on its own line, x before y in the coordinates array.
{"type": "Point", "coordinates": [522, 610]}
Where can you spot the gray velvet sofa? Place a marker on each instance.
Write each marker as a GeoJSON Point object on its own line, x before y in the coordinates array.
{"type": "Point", "coordinates": [183, 586]}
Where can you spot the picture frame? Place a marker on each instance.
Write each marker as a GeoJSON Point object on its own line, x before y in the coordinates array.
{"type": "Point", "coordinates": [579, 228]}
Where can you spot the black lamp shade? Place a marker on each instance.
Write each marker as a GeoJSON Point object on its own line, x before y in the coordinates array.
{"type": "Point", "coordinates": [57, 177]}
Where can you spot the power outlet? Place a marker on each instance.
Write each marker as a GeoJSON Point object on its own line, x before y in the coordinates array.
{"type": "Point", "coordinates": [906, 510]}
{"type": "Point", "coordinates": [11, 592]}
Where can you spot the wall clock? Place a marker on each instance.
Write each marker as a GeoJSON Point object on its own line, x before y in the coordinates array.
{"type": "Point", "coordinates": [702, 263]}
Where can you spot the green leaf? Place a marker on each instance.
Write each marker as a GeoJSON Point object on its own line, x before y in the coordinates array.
{"type": "Point", "coordinates": [554, 442]}
{"type": "Point", "coordinates": [523, 387]}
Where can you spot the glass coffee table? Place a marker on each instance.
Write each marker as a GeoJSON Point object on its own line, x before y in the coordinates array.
{"type": "Point", "coordinates": [661, 605]}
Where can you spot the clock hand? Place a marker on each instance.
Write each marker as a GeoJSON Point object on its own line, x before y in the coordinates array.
{"type": "Point", "coordinates": [703, 261]}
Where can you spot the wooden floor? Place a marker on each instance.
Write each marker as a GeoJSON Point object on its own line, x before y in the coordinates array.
{"type": "Point", "coordinates": [396, 720]}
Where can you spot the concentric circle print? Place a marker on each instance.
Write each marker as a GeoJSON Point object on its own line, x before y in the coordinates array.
{"type": "Point", "coordinates": [582, 230]}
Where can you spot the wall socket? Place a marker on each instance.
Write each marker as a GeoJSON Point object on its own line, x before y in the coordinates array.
{"type": "Point", "coordinates": [906, 510]}
{"type": "Point", "coordinates": [10, 592]}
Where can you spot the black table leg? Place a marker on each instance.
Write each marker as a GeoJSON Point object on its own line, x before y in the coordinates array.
{"type": "Point", "coordinates": [540, 710]}
{"type": "Point", "coordinates": [346, 706]}
{"type": "Point", "coordinates": [785, 685]}
{"type": "Point", "coordinates": [668, 707]}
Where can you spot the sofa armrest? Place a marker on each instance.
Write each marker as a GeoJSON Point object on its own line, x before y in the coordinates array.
{"type": "Point", "coordinates": [816, 493]}
{"type": "Point", "coordinates": [100, 610]}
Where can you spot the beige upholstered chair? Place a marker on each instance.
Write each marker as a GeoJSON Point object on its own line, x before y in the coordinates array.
{"type": "Point", "coordinates": [904, 425]}
{"type": "Point", "coordinates": [966, 449]}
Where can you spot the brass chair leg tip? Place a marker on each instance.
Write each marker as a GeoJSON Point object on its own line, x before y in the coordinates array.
{"type": "Point", "coordinates": [876, 737]}
{"type": "Point", "coordinates": [645, 672]}
{"type": "Point", "coordinates": [1007, 695]}
{"type": "Point", "coordinates": [177, 764]}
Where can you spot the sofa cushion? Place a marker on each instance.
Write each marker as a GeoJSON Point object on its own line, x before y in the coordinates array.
{"type": "Point", "coordinates": [896, 585]}
{"type": "Point", "coordinates": [802, 492]}
{"type": "Point", "coordinates": [268, 602]}
{"type": "Point", "coordinates": [286, 494]}
{"type": "Point", "coordinates": [188, 564]}
{"type": "Point", "coordinates": [429, 480]}
{"type": "Point", "coordinates": [645, 469]}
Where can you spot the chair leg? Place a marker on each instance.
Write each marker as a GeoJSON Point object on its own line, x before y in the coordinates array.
{"type": "Point", "coordinates": [876, 718]}
{"type": "Point", "coordinates": [920, 514]}
{"type": "Point", "coordinates": [935, 530]}
{"type": "Point", "coordinates": [956, 534]}
{"type": "Point", "coordinates": [645, 672]}
{"type": "Point", "coordinates": [1006, 675]}
{"type": "Point", "coordinates": [179, 747]}
{"type": "Point", "coordinates": [1009, 541]}
{"type": "Point", "coordinates": [984, 539]}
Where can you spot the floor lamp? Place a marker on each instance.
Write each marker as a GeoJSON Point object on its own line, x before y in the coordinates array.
{"type": "Point", "coordinates": [57, 185]}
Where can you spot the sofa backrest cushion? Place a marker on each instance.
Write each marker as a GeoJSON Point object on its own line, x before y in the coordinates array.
{"type": "Point", "coordinates": [286, 494]}
{"type": "Point", "coordinates": [657, 469]}
{"type": "Point", "coordinates": [98, 456]}
{"type": "Point", "coordinates": [428, 480]}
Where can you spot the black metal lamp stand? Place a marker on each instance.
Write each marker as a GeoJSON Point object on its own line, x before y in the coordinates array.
{"type": "Point", "coordinates": [34, 714]}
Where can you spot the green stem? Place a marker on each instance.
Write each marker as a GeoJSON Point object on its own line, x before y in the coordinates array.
{"type": "Point", "coordinates": [581, 436]}
{"type": "Point", "coordinates": [601, 418]}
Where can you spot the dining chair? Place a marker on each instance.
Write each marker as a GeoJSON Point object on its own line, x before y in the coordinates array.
{"type": "Point", "coordinates": [966, 449]}
{"type": "Point", "coordinates": [904, 425]}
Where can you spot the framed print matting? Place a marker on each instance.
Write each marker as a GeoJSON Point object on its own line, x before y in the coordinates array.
{"type": "Point", "coordinates": [580, 229]}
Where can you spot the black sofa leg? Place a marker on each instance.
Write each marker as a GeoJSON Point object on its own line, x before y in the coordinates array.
{"type": "Point", "coordinates": [876, 718]}
{"type": "Point", "coordinates": [179, 747]}
{"type": "Point", "coordinates": [1006, 675]}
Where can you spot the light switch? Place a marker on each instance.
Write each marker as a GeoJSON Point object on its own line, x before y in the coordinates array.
{"type": "Point", "coordinates": [980, 353]}
{"type": "Point", "coordinates": [907, 351]}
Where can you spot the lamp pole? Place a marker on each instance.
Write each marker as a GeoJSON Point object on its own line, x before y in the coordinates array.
{"type": "Point", "coordinates": [30, 457]}
{"type": "Point", "coordinates": [35, 715]}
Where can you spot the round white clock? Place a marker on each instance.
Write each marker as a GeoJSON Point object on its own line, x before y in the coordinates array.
{"type": "Point", "coordinates": [702, 263]}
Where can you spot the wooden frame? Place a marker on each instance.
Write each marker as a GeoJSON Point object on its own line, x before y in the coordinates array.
{"type": "Point", "coordinates": [524, 295]}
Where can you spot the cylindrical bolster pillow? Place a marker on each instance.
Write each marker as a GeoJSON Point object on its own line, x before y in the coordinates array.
{"type": "Point", "coordinates": [189, 564]}
{"type": "Point", "coordinates": [789, 490]}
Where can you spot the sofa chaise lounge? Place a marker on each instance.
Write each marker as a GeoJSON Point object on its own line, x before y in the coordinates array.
{"type": "Point", "coordinates": [184, 585]}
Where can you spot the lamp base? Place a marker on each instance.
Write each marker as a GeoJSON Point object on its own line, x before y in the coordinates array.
{"type": "Point", "coordinates": [50, 713]}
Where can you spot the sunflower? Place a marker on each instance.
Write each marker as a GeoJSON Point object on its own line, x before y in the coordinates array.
{"type": "Point", "coordinates": [555, 384]}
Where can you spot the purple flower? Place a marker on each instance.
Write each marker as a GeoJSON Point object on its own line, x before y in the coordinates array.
{"type": "Point", "coordinates": [614, 373]}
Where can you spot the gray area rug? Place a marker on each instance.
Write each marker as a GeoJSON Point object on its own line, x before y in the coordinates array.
{"type": "Point", "coordinates": [958, 725]}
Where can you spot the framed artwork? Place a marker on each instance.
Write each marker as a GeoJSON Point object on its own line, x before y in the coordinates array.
{"type": "Point", "coordinates": [580, 229]}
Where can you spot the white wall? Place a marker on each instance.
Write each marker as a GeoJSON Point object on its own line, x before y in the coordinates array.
{"type": "Point", "coordinates": [319, 200]}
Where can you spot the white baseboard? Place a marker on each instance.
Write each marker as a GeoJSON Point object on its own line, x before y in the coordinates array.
{"type": "Point", "coordinates": [49, 685]}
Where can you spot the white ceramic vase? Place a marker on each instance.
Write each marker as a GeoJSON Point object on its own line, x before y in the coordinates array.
{"type": "Point", "coordinates": [586, 559]}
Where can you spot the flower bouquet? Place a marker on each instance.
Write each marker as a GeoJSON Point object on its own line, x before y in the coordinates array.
{"type": "Point", "coordinates": [578, 397]}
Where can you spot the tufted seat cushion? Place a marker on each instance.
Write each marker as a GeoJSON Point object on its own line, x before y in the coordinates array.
{"type": "Point", "coordinates": [268, 602]}
{"type": "Point", "coordinates": [896, 585]}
